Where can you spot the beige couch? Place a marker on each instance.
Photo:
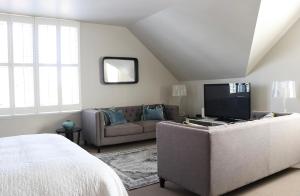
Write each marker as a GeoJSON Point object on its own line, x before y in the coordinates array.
{"type": "Point", "coordinates": [216, 160]}
{"type": "Point", "coordinates": [97, 133]}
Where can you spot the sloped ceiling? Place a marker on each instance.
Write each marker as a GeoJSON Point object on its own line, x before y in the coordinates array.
{"type": "Point", "coordinates": [275, 18]}
{"type": "Point", "coordinates": [194, 39]}
{"type": "Point", "coordinates": [202, 39]}
{"type": "Point", "coordinates": [114, 12]}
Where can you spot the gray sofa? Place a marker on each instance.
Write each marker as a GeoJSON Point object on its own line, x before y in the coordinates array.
{"type": "Point", "coordinates": [216, 160]}
{"type": "Point", "coordinates": [95, 131]}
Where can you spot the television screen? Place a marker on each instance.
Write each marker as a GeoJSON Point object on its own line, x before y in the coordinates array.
{"type": "Point", "coordinates": [227, 101]}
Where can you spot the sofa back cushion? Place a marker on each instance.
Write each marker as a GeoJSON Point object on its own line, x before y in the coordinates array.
{"type": "Point", "coordinates": [131, 113]}
{"type": "Point", "coordinates": [134, 113]}
{"type": "Point", "coordinates": [171, 112]}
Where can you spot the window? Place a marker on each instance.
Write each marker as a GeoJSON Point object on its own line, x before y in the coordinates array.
{"type": "Point", "coordinates": [4, 79]}
{"type": "Point", "coordinates": [70, 88]}
{"type": "Point", "coordinates": [23, 85]}
{"type": "Point", "coordinates": [47, 44]}
{"type": "Point", "coordinates": [69, 45]}
{"type": "Point", "coordinates": [39, 65]}
{"type": "Point", "coordinates": [69, 61]}
{"type": "Point", "coordinates": [22, 42]}
{"type": "Point", "coordinates": [48, 86]}
{"type": "Point", "coordinates": [3, 42]}
{"type": "Point", "coordinates": [4, 87]}
{"type": "Point", "coordinates": [22, 65]}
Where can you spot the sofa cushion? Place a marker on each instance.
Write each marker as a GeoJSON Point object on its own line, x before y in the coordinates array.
{"type": "Point", "coordinates": [148, 125]}
{"type": "Point", "coordinates": [123, 129]}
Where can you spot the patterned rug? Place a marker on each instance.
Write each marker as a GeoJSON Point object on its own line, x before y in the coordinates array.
{"type": "Point", "coordinates": [137, 168]}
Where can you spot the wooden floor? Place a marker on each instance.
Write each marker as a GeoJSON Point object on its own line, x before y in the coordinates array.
{"type": "Point", "coordinates": [285, 183]}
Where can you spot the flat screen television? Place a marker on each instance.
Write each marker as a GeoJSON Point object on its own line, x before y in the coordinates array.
{"type": "Point", "coordinates": [229, 101]}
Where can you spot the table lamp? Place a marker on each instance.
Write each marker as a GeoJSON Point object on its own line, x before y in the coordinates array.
{"type": "Point", "coordinates": [179, 90]}
{"type": "Point", "coordinates": [284, 90]}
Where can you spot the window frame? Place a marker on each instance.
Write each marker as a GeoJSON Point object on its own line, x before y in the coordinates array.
{"type": "Point", "coordinates": [46, 21]}
{"type": "Point", "coordinates": [6, 19]}
{"type": "Point", "coordinates": [37, 108]}
{"type": "Point", "coordinates": [7, 111]}
{"type": "Point", "coordinates": [14, 109]}
{"type": "Point", "coordinates": [71, 107]}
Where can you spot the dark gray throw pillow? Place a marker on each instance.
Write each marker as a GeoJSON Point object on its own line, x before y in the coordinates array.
{"type": "Point", "coordinates": [106, 117]}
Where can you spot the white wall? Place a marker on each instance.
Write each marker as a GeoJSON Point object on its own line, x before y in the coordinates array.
{"type": "Point", "coordinates": [274, 19]}
{"type": "Point", "coordinates": [101, 40]}
{"type": "Point", "coordinates": [31, 124]}
{"type": "Point", "coordinates": [98, 41]}
{"type": "Point", "coordinates": [281, 63]}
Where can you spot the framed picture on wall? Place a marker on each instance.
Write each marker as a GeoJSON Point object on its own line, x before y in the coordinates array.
{"type": "Point", "coordinates": [120, 70]}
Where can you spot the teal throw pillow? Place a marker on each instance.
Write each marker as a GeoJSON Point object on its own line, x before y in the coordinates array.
{"type": "Point", "coordinates": [156, 113]}
{"type": "Point", "coordinates": [116, 117]}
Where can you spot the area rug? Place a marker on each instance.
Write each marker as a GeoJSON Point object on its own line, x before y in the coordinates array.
{"type": "Point", "coordinates": [137, 168]}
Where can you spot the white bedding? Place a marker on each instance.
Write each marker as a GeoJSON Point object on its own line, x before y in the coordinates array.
{"type": "Point", "coordinates": [49, 164]}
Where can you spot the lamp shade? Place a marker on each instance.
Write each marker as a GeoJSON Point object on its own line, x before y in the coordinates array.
{"type": "Point", "coordinates": [284, 89]}
{"type": "Point", "coordinates": [179, 90]}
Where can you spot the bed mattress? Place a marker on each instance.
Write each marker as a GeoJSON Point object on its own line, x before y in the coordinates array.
{"type": "Point", "coordinates": [49, 164]}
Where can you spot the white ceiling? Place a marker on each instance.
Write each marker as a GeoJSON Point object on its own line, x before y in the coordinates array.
{"type": "Point", "coordinates": [194, 39]}
{"type": "Point", "coordinates": [115, 12]}
{"type": "Point", "coordinates": [202, 39]}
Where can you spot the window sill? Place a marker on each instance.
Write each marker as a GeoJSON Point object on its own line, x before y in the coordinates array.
{"type": "Point", "coordinates": [16, 116]}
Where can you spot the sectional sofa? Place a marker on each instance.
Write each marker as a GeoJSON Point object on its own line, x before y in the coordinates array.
{"type": "Point", "coordinates": [216, 160]}
{"type": "Point", "coordinates": [97, 133]}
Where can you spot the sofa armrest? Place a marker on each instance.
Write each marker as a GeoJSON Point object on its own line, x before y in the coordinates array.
{"type": "Point", "coordinates": [189, 164]}
{"type": "Point", "coordinates": [92, 126]}
{"type": "Point", "coordinates": [171, 112]}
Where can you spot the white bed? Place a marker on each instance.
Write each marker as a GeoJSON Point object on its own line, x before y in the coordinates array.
{"type": "Point", "coordinates": [49, 164]}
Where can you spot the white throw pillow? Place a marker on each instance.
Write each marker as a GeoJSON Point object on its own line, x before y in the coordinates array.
{"type": "Point", "coordinates": [269, 115]}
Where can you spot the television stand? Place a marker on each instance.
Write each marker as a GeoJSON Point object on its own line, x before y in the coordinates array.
{"type": "Point", "coordinates": [211, 121]}
{"type": "Point", "coordinates": [228, 120]}
{"type": "Point", "coordinates": [205, 121]}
